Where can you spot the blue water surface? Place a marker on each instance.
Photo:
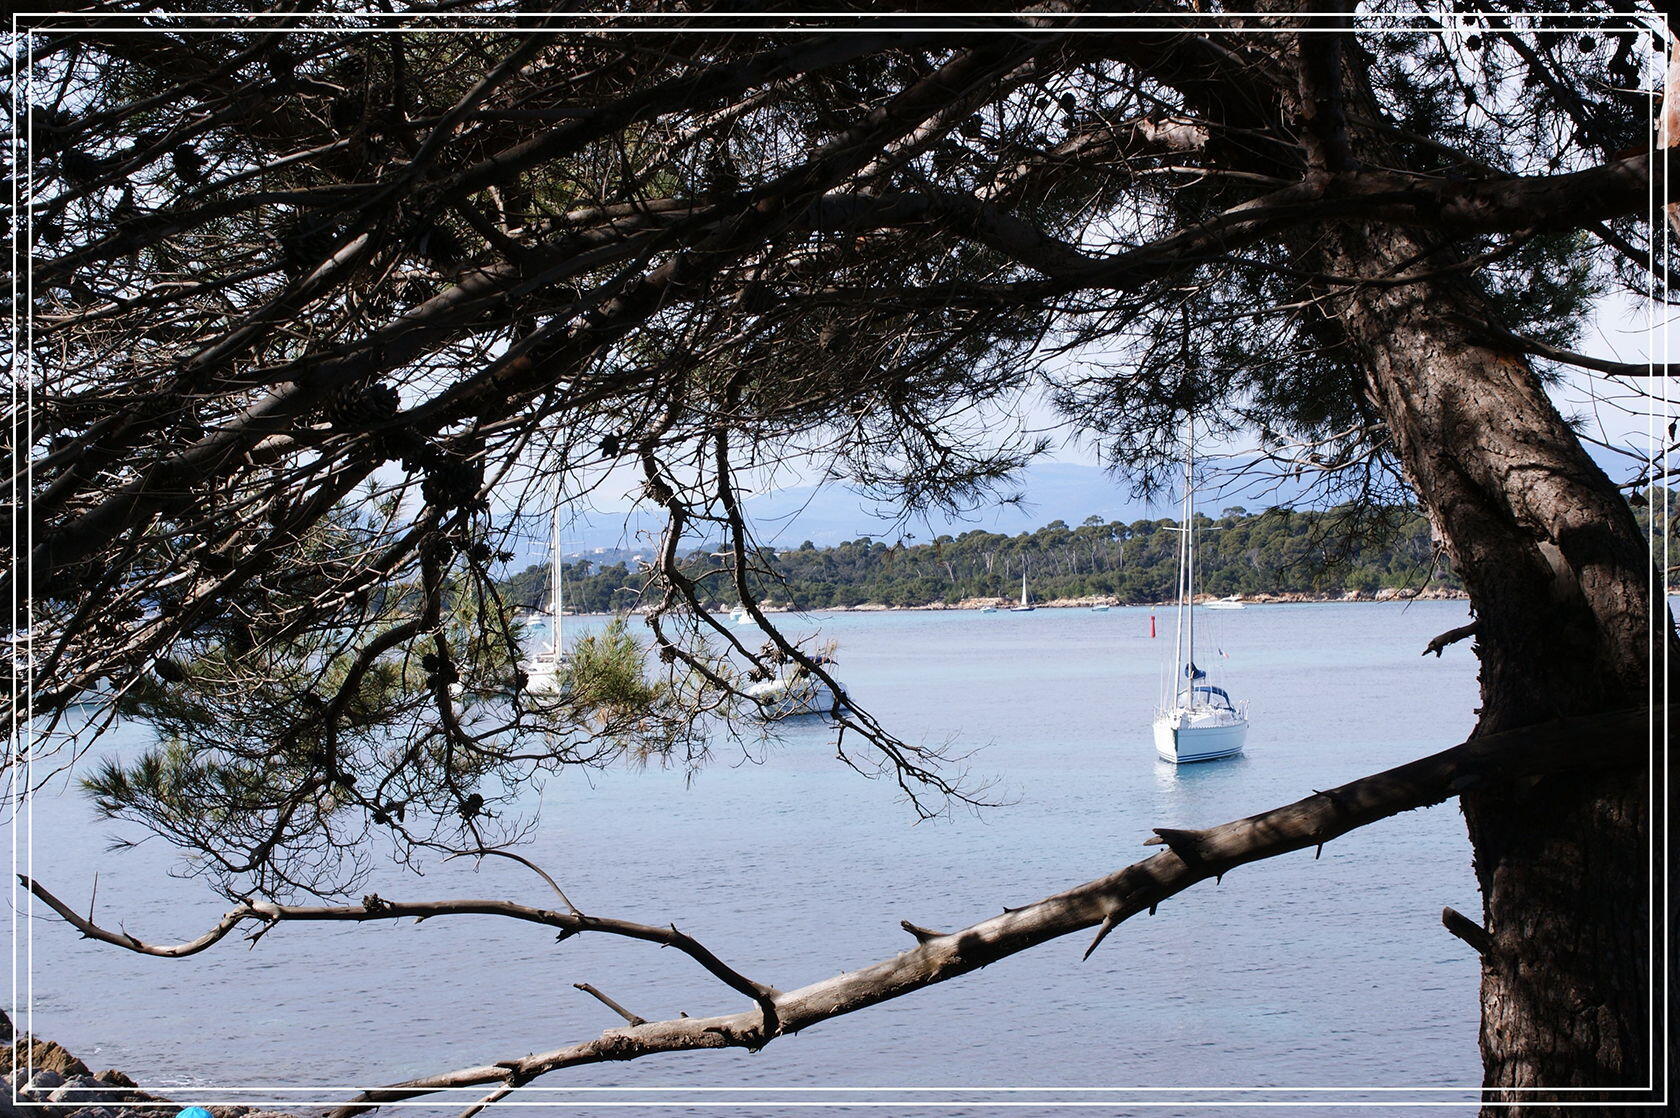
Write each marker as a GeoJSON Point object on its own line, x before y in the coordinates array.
{"type": "Point", "coordinates": [1296, 972]}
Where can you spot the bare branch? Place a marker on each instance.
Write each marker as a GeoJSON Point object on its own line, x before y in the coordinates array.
{"type": "Point", "coordinates": [610, 1004]}
{"type": "Point", "coordinates": [377, 908]}
{"type": "Point", "coordinates": [1467, 930]}
{"type": "Point", "coordinates": [1451, 636]}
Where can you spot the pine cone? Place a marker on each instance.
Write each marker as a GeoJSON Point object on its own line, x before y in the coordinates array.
{"type": "Point", "coordinates": [188, 163]}
{"type": "Point", "coordinates": [360, 406]}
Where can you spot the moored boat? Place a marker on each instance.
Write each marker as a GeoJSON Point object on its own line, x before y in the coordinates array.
{"type": "Point", "coordinates": [548, 673]}
{"type": "Point", "coordinates": [1197, 721]}
{"type": "Point", "coordinates": [796, 692]}
{"type": "Point", "coordinates": [1026, 605]}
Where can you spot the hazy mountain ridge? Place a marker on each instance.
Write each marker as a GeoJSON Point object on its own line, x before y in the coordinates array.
{"type": "Point", "coordinates": [831, 514]}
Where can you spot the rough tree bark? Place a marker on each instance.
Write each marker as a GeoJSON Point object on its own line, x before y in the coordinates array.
{"type": "Point", "coordinates": [1560, 580]}
{"type": "Point", "coordinates": [1562, 585]}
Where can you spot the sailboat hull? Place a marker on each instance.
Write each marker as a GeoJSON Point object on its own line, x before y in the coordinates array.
{"type": "Point", "coordinates": [1181, 740]}
{"type": "Point", "coordinates": [547, 677]}
{"type": "Point", "coordinates": [546, 682]}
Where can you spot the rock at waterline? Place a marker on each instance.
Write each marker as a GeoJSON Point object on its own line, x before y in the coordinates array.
{"type": "Point", "coordinates": [40, 1055]}
{"type": "Point", "coordinates": [61, 1082]}
{"type": "Point", "coordinates": [87, 1090]}
{"type": "Point", "coordinates": [42, 1083]}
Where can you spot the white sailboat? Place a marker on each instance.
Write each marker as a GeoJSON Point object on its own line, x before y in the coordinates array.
{"type": "Point", "coordinates": [1026, 606]}
{"type": "Point", "coordinates": [546, 674]}
{"type": "Point", "coordinates": [1196, 721]}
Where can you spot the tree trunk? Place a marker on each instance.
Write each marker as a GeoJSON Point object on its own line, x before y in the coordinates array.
{"type": "Point", "coordinates": [1563, 585]}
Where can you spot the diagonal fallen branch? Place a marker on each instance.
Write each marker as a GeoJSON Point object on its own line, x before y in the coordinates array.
{"type": "Point", "coordinates": [1618, 739]}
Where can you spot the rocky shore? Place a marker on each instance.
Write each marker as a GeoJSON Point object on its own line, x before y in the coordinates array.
{"type": "Point", "coordinates": [58, 1085]}
{"type": "Point", "coordinates": [1388, 594]}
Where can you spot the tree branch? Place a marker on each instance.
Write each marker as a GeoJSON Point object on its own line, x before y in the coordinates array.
{"type": "Point", "coordinates": [633, 1018]}
{"type": "Point", "coordinates": [375, 907]}
{"type": "Point", "coordinates": [1585, 361]}
{"type": "Point", "coordinates": [1466, 929]}
{"type": "Point", "coordinates": [1451, 636]}
{"type": "Point", "coordinates": [1322, 112]}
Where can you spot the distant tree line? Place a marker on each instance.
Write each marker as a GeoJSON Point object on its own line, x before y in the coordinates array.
{"type": "Point", "coordinates": [1319, 552]}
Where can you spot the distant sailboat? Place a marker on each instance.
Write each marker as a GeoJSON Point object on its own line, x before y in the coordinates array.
{"type": "Point", "coordinates": [1026, 606]}
{"type": "Point", "coordinates": [1196, 721]}
{"type": "Point", "coordinates": [548, 672]}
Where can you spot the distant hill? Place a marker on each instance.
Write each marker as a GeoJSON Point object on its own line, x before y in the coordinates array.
{"type": "Point", "coordinates": [1129, 559]}
{"type": "Point", "coordinates": [1049, 491]}
{"type": "Point", "coordinates": [832, 514]}
{"type": "Point", "coordinates": [1319, 554]}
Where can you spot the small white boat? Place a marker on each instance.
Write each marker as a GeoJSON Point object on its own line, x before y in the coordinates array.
{"type": "Point", "coordinates": [1026, 606]}
{"type": "Point", "coordinates": [988, 609]}
{"type": "Point", "coordinates": [1099, 608]}
{"type": "Point", "coordinates": [1197, 721]}
{"type": "Point", "coordinates": [740, 616]}
{"type": "Point", "coordinates": [792, 694]}
{"type": "Point", "coordinates": [548, 674]}
{"type": "Point", "coordinates": [1233, 602]}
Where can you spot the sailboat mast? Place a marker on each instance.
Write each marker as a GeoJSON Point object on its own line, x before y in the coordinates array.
{"type": "Point", "coordinates": [1178, 619]}
{"type": "Point", "coordinates": [1190, 552]}
{"type": "Point", "coordinates": [556, 583]}
{"type": "Point", "coordinates": [1023, 582]}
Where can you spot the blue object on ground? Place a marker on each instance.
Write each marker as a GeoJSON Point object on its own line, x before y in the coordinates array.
{"type": "Point", "coordinates": [194, 1112]}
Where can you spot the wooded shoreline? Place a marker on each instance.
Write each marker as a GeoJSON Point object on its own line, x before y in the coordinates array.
{"type": "Point", "coordinates": [1430, 594]}
{"type": "Point", "coordinates": [1283, 598]}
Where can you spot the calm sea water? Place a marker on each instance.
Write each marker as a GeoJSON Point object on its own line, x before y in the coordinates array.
{"type": "Point", "coordinates": [1292, 973]}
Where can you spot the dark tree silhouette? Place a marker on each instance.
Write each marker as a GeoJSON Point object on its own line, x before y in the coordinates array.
{"type": "Point", "coordinates": [318, 318]}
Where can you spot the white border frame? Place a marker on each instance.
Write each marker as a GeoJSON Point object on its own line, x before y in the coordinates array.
{"type": "Point", "coordinates": [1658, 337]}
